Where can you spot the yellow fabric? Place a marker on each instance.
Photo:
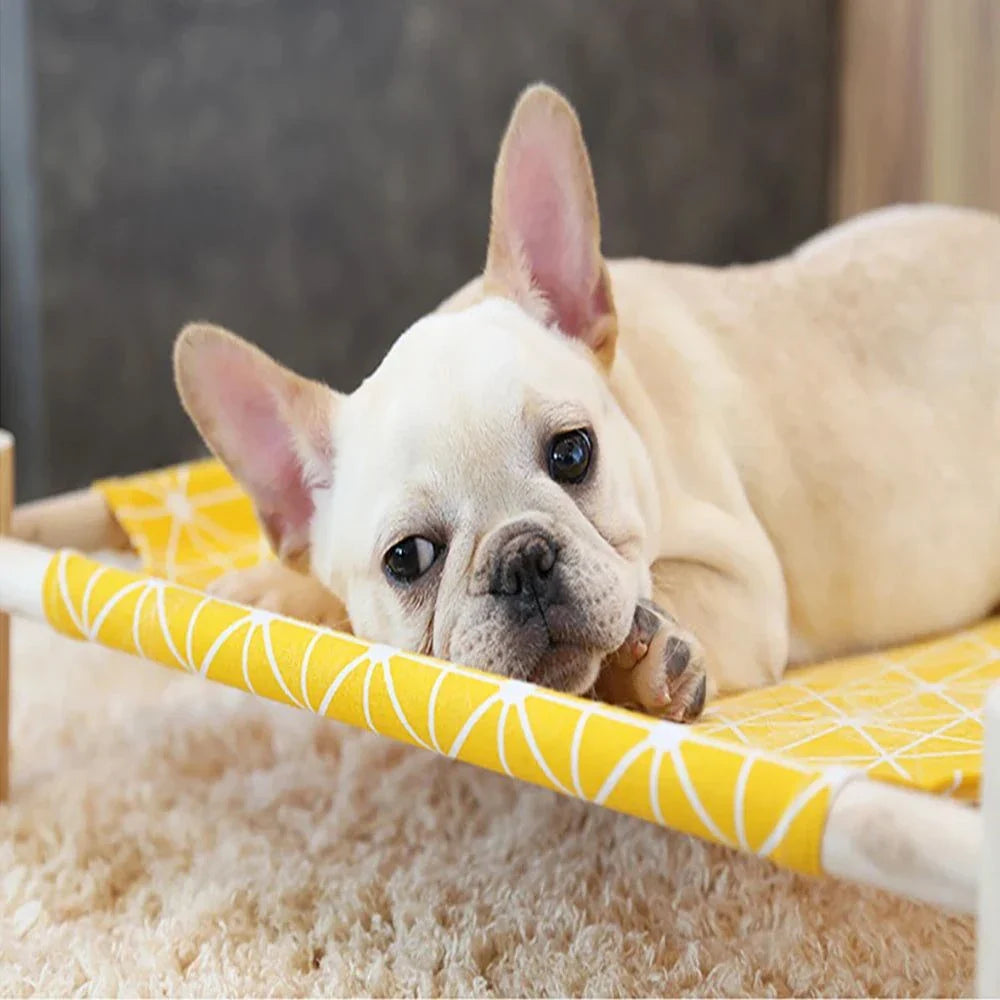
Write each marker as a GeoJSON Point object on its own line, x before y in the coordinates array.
{"type": "Point", "coordinates": [911, 715]}
{"type": "Point", "coordinates": [658, 771]}
{"type": "Point", "coordinates": [190, 523]}
{"type": "Point", "coordinates": [755, 773]}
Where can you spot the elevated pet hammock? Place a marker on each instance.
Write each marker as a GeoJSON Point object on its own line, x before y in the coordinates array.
{"type": "Point", "coordinates": [849, 768]}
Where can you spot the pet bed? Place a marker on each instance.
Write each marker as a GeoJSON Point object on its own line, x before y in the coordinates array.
{"type": "Point", "coordinates": [866, 768]}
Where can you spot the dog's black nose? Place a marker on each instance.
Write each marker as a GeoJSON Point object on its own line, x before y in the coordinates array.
{"type": "Point", "coordinates": [524, 568]}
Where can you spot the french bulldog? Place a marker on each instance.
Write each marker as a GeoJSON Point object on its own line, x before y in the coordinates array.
{"type": "Point", "coordinates": [647, 481]}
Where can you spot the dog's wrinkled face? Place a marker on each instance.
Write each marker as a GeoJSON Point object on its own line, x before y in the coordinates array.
{"type": "Point", "coordinates": [477, 498]}
{"type": "Point", "coordinates": [484, 507]}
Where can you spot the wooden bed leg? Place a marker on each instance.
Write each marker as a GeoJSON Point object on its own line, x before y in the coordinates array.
{"type": "Point", "coordinates": [6, 507]}
{"type": "Point", "coordinates": [988, 928]}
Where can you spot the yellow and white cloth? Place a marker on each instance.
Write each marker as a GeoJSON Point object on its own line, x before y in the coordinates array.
{"type": "Point", "coordinates": [757, 772]}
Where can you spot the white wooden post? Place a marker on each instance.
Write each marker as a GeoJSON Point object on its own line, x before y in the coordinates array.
{"type": "Point", "coordinates": [910, 843]}
{"type": "Point", "coordinates": [988, 930]}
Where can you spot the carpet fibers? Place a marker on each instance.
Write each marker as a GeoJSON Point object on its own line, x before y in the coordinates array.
{"type": "Point", "coordinates": [167, 836]}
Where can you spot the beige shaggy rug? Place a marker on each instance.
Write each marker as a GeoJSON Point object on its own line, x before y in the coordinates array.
{"type": "Point", "coordinates": [167, 836]}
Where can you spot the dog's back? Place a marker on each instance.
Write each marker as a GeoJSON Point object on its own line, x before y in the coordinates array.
{"type": "Point", "coordinates": [857, 386]}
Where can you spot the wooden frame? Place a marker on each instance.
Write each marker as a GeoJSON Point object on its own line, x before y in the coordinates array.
{"type": "Point", "coordinates": [988, 927]}
{"type": "Point", "coordinates": [907, 842]}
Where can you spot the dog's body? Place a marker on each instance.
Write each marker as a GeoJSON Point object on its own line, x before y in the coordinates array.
{"type": "Point", "coordinates": [825, 426]}
{"type": "Point", "coordinates": [793, 459]}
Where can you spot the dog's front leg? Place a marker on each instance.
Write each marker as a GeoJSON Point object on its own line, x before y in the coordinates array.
{"type": "Point", "coordinates": [705, 632]}
{"type": "Point", "coordinates": [739, 617]}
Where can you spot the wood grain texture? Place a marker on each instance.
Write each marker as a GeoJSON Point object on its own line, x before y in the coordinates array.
{"type": "Point", "coordinates": [918, 115]}
{"type": "Point", "coordinates": [77, 520]}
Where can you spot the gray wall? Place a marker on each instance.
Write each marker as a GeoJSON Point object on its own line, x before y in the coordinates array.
{"type": "Point", "coordinates": [315, 174]}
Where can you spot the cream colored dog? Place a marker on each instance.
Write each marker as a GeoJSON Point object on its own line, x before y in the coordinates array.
{"type": "Point", "coordinates": [639, 470]}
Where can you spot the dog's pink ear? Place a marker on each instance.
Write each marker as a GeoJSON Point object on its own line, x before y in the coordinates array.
{"type": "Point", "coordinates": [545, 232]}
{"type": "Point", "coordinates": [272, 428]}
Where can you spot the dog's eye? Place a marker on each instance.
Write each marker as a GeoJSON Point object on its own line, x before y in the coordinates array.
{"type": "Point", "coordinates": [411, 558]}
{"type": "Point", "coordinates": [569, 456]}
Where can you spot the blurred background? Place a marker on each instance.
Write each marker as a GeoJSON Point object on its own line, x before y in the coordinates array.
{"type": "Point", "coordinates": [315, 175]}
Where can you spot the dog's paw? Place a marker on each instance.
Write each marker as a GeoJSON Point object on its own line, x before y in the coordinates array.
{"type": "Point", "coordinates": [272, 586]}
{"type": "Point", "coordinates": [659, 669]}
